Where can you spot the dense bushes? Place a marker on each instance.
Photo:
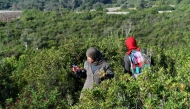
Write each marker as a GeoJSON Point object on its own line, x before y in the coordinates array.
{"type": "Point", "coordinates": [42, 78]}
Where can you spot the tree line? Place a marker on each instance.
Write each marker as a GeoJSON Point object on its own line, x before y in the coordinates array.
{"type": "Point", "coordinates": [49, 5]}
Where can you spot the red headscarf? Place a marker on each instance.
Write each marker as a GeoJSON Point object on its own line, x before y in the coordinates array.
{"type": "Point", "coordinates": [131, 44]}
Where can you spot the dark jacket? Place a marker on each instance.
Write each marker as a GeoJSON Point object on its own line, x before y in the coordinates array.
{"type": "Point", "coordinates": [127, 65]}
{"type": "Point", "coordinates": [93, 78]}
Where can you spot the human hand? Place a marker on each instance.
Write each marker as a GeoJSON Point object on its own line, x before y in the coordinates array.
{"type": "Point", "coordinates": [76, 69]}
{"type": "Point", "coordinates": [102, 74]}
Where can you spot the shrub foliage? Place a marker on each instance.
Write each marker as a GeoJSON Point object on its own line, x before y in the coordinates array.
{"type": "Point", "coordinates": [38, 48]}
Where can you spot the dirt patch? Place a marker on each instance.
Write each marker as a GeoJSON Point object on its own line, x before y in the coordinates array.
{"type": "Point", "coordinates": [9, 15]}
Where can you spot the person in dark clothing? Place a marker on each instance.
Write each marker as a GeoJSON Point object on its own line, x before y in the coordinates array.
{"type": "Point", "coordinates": [97, 69]}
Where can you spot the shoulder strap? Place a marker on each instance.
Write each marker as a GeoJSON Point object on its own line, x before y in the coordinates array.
{"type": "Point", "coordinates": [131, 61]}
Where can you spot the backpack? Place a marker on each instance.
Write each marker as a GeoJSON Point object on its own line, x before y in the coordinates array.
{"type": "Point", "coordinates": [139, 60]}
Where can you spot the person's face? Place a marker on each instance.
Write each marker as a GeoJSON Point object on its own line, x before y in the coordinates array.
{"type": "Point", "coordinates": [90, 59]}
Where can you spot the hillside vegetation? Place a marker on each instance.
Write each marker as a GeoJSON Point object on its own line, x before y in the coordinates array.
{"type": "Point", "coordinates": [79, 5]}
{"type": "Point", "coordinates": [38, 48]}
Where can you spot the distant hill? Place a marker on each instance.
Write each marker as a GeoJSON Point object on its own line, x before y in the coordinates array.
{"type": "Point", "coordinates": [79, 5]}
